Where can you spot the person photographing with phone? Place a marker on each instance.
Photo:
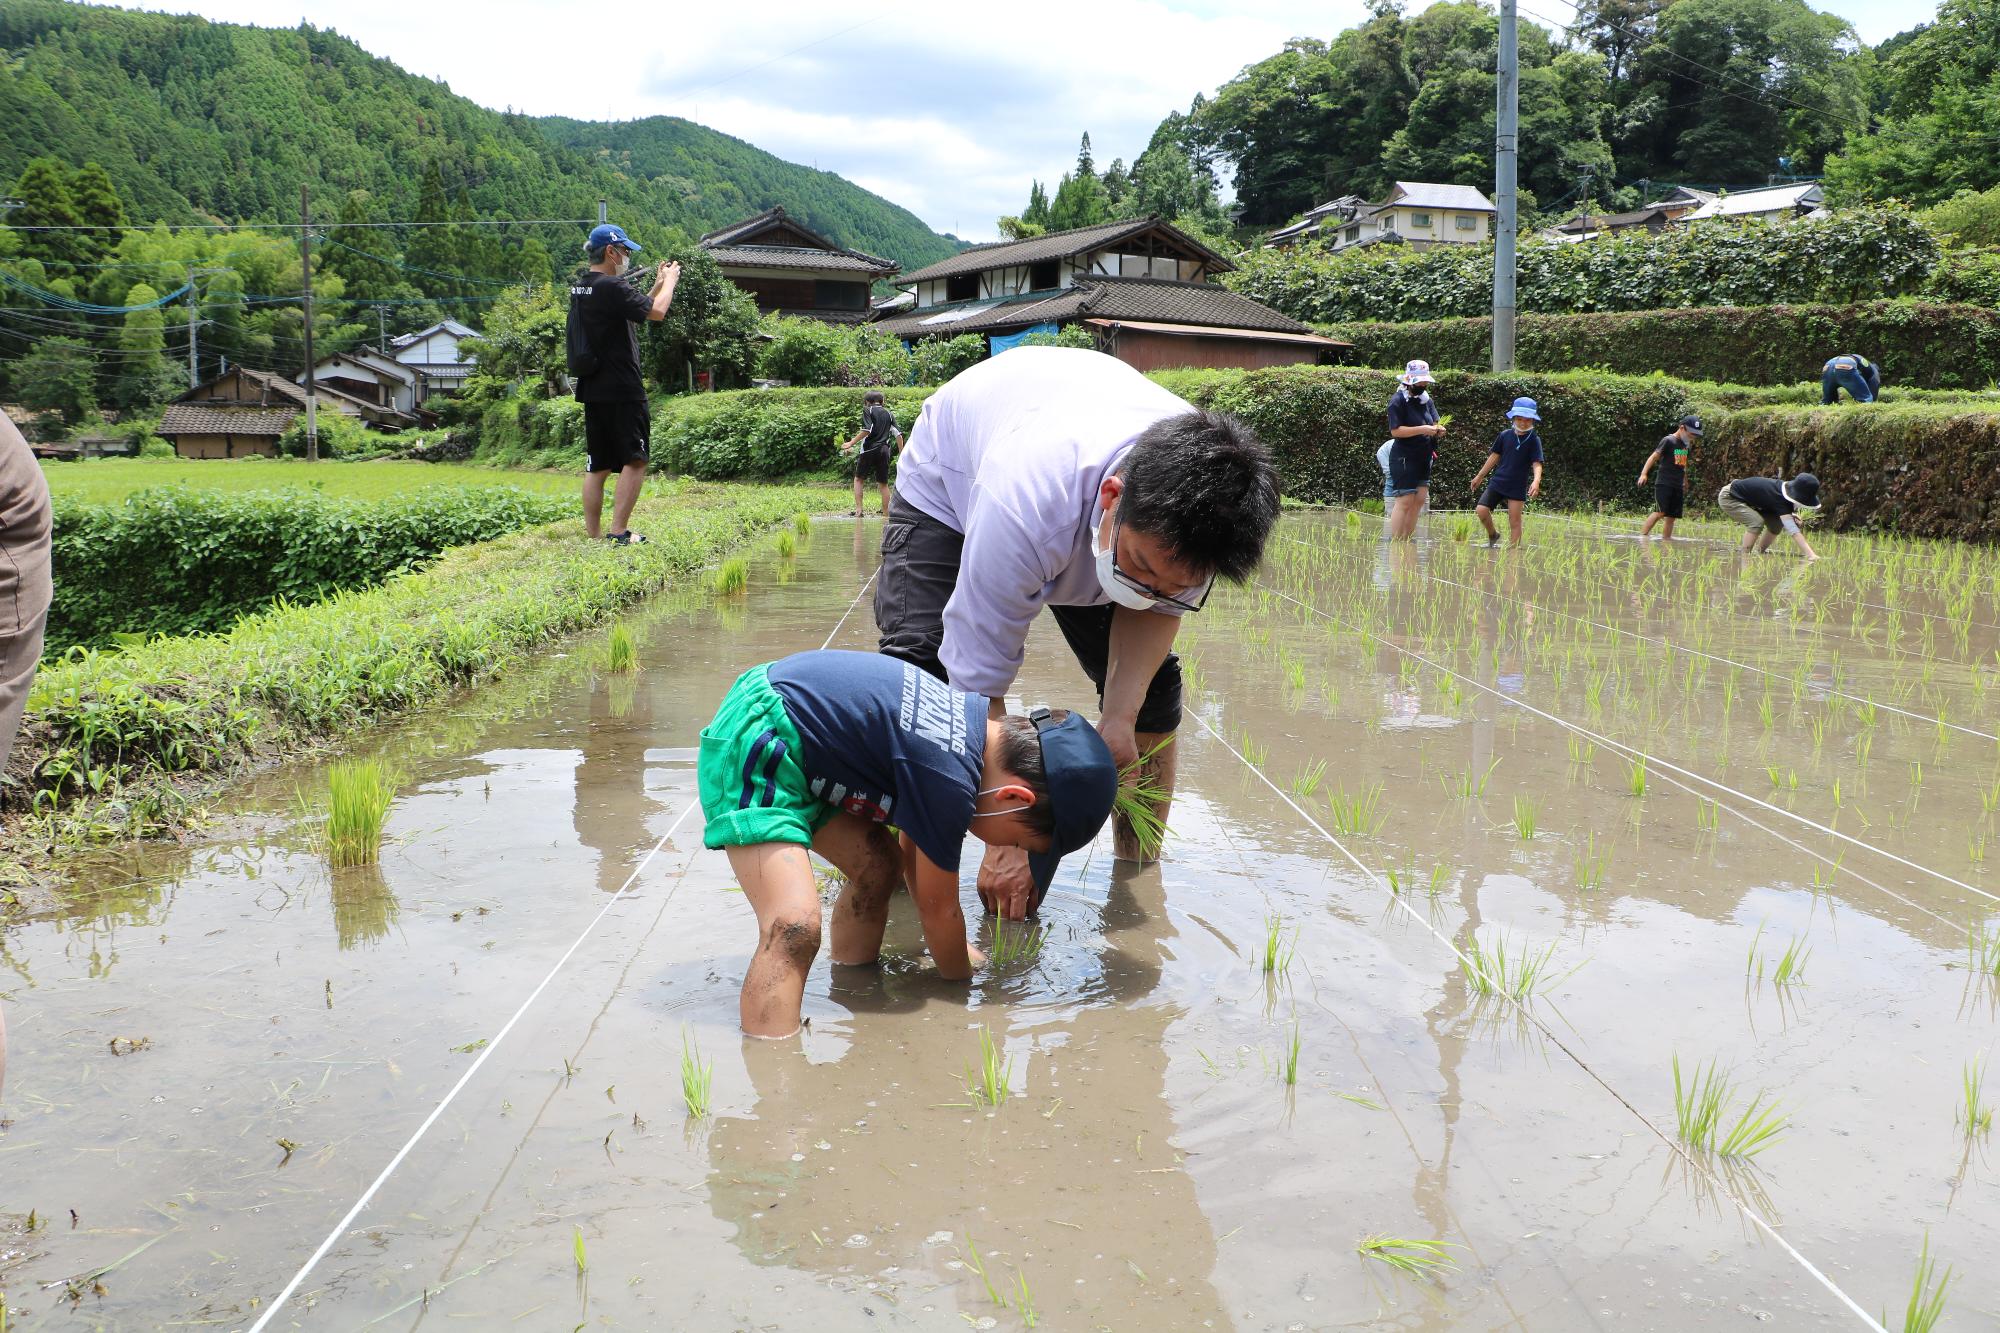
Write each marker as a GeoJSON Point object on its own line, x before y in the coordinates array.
{"type": "Point", "coordinates": [603, 351]}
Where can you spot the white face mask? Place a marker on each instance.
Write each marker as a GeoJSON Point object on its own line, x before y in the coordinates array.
{"type": "Point", "coordinates": [990, 791]}
{"type": "Point", "coordinates": [1118, 591]}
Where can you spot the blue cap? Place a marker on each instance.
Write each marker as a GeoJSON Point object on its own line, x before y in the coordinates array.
{"type": "Point", "coordinates": [1083, 782]}
{"type": "Point", "coordinates": [610, 233]}
{"type": "Point", "coordinates": [1524, 407]}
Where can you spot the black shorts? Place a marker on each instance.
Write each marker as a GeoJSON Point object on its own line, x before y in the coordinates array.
{"type": "Point", "coordinates": [1670, 500]}
{"type": "Point", "coordinates": [1495, 498]}
{"type": "Point", "coordinates": [873, 465]}
{"type": "Point", "coordinates": [918, 573]}
{"type": "Point", "coordinates": [616, 435]}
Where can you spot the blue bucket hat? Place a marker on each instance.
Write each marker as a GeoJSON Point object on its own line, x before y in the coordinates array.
{"type": "Point", "coordinates": [1524, 407]}
{"type": "Point", "coordinates": [1082, 781]}
{"type": "Point", "coordinates": [610, 233]}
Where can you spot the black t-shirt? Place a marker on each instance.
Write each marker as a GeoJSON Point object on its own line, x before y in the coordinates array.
{"type": "Point", "coordinates": [1672, 474]}
{"type": "Point", "coordinates": [610, 310]}
{"type": "Point", "coordinates": [880, 423]}
{"type": "Point", "coordinates": [1410, 459]}
{"type": "Point", "coordinates": [1764, 495]}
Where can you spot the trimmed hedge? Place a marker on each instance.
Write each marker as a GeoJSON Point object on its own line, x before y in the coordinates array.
{"type": "Point", "coordinates": [1914, 469]}
{"type": "Point", "coordinates": [108, 735]}
{"type": "Point", "coordinates": [766, 432]}
{"type": "Point", "coordinates": [1918, 344]}
{"type": "Point", "coordinates": [176, 560]}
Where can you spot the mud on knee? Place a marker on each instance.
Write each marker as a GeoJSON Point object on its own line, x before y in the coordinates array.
{"type": "Point", "coordinates": [794, 939]}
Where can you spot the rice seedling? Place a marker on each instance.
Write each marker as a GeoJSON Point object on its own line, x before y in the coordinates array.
{"type": "Point", "coordinates": [1591, 864]}
{"type": "Point", "coordinates": [1791, 965]}
{"type": "Point", "coordinates": [1467, 786]}
{"type": "Point", "coordinates": [991, 1081]}
{"type": "Point", "coordinates": [1436, 885]}
{"type": "Point", "coordinates": [1497, 969]}
{"type": "Point", "coordinates": [732, 577]}
{"type": "Point", "coordinates": [1292, 1057]}
{"type": "Point", "coordinates": [1024, 1300]}
{"type": "Point", "coordinates": [1701, 1108]}
{"type": "Point", "coordinates": [1358, 815]}
{"type": "Point", "coordinates": [1422, 1260]}
{"type": "Point", "coordinates": [1013, 945]}
{"type": "Point", "coordinates": [1252, 752]}
{"type": "Point", "coordinates": [1766, 713]}
{"type": "Point", "coordinates": [788, 544]}
{"type": "Point", "coordinates": [1975, 848]}
{"type": "Point", "coordinates": [1973, 1113]}
{"type": "Point", "coordinates": [1307, 780]}
{"type": "Point", "coordinates": [802, 523]}
{"type": "Point", "coordinates": [1782, 779]}
{"type": "Point", "coordinates": [1580, 751]}
{"type": "Point", "coordinates": [1983, 951]}
{"type": "Point", "coordinates": [577, 1251]}
{"type": "Point", "coordinates": [978, 1265]}
{"type": "Point", "coordinates": [696, 1075]}
{"type": "Point", "coordinates": [1635, 777]}
{"type": "Point", "coordinates": [1461, 529]}
{"type": "Point", "coordinates": [1926, 1305]}
{"type": "Point", "coordinates": [1526, 814]}
{"type": "Point", "coordinates": [1278, 946]}
{"type": "Point", "coordinates": [621, 650]}
{"type": "Point", "coordinates": [358, 796]}
{"type": "Point", "coordinates": [1707, 814]}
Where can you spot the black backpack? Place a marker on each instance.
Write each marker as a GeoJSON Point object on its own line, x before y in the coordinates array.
{"type": "Point", "coordinates": [582, 356]}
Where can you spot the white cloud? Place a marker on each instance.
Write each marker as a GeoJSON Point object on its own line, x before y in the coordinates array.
{"type": "Point", "coordinates": [949, 110]}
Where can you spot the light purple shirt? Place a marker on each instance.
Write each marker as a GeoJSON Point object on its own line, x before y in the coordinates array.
{"type": "Point", "coordinates": [1011, 453]}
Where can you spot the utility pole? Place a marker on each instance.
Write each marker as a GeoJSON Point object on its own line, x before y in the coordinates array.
{"type": "Point", "coordinates": [603, 211]}
{"type": "Point", "coordinates": [306, 289]}
{"type": "Point", "coordinates": [381, 329]}
{"type": "Point", "coordinates": [1584, 186]}
{"type": "Point", "coordinates": [194, 322]}
{"type": "Point", "coordinates": [1507, 89]}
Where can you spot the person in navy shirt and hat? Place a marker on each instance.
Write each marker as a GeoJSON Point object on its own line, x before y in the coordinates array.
{"type": "Point", "coordinates": [1515, 463]}
{"type": "Point", "coordinates": [603, 347]}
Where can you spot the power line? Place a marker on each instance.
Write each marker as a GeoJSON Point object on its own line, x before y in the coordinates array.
{"type": "Point", "coordinates": [299, 226]}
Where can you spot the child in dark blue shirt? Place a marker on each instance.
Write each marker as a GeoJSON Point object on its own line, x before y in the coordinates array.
{"type": "Point", "coordinates": [824, 750]}
{"type": "Point", "coordinates": [1516, 466]}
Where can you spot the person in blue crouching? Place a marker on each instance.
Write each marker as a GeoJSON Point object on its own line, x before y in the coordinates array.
{"type": "Point", "coordinates": [1858, 375]}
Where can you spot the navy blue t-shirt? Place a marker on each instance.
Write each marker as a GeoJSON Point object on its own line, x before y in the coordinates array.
{"type": "Point", "coordinates": [1410, 459]}
{"type": "Point", "coordinates": [888, 742]}
{"type": "Point", "coordinates": [1516, 468]}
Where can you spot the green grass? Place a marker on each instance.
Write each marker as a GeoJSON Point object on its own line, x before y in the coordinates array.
{"type": "Point", "coordinates": [358, 798]}
{"type": "Point", "coordinates": [696, 1077]}
{"type": "Point", "coordinates": [111, 738]}
{"type": "Point", "coordinates": [1422, 1260]}
{"type": "Point", "coordinates": [1701, 1112]}
{"type": "Point", "coordinates": [1926, 1305]}
{"type": "Point", "coordinates": [990, 1081]}
{"type": "Point", "coordinates": [109, 480]}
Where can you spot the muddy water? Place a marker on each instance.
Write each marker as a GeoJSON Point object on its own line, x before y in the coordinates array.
{"type": "Point", "coordinates": [1153, 1168]}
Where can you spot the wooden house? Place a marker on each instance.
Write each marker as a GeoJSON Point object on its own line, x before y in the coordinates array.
{"type": "Point", "coordinates": [367, 374]}
{"type": "Point", "coordinates": [434, 353]}
{"type": "Point", "coordinates": [1143, 288]}
{"type": "Point", "coordinates": [242, 412]}
{"type": "Point", "coordinates": [789, 269]}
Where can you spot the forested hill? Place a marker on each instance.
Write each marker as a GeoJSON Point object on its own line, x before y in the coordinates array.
{"type": "Point", "coordinates": [730, 179]}
{"type": "Point", "coordinates": [197, 120]}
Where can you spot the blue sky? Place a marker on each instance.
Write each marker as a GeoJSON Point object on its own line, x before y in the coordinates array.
{"type": "Point", "coordinates": [947, 109]}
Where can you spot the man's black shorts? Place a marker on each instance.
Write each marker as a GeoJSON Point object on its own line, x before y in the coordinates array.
{"type": "Point", "coordinates": [873, 465]}
{"type": "Point", "coordinates": [1494, 498]}
{"type": "Point", "coordinates": [1670, 500]}
{"type": "Point", "coordinates": [616, 435]}
{"type": "Point", "coordinates": [919, 570]}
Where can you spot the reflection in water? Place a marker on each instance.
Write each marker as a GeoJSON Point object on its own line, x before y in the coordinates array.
{"type": "Point", "coordinates": [364, 906]}
{"type": "Point", "coordinates": [610, 798]}
{"type": "Point", "coordinates": [877, 1161]}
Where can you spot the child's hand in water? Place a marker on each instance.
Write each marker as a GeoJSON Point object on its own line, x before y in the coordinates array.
{"type": "Point", "coordinates": [972, 952]}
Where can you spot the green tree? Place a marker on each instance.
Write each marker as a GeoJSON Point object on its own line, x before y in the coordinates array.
{"type": "Point", "coordinates": [144, 376]}
{"type": "Point", "coordinates": [46, 202]}
{"type": "Point", "coordinates": [522, 341]}
{"type": "Point", "coordinates": [97, 203]}
{"type": "Point", "coordinates": [1942, 103]}
{"type": "Point", "coordinates": [58, 376]}
{"type": "Point", "coordinates": [711, 325]}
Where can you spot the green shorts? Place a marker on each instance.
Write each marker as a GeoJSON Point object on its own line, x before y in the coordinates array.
{"type": "Point", "coordinates": [752, 788]}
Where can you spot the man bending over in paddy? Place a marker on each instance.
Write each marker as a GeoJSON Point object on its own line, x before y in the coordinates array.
{"type": "Point", "coordinates": [822, 750]}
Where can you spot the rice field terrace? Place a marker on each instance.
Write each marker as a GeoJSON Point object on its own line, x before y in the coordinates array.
{"type": "Point", "coordinates": [108, 480]}
{"type": "Point", "coordinates": [1599, 935]}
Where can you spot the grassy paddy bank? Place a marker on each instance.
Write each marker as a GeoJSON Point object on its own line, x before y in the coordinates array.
{"type": "Point", "coordinates": [109, 480]}
{"type": "Point", "coordinates": [121, 744]}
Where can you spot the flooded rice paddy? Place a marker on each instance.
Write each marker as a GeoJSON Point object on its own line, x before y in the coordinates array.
{"type": "Point", "coordinates": [1514, 831]}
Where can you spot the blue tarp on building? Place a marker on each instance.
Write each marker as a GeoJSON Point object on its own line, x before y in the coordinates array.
{"type": "Point", "coordinates": [1000, 342]}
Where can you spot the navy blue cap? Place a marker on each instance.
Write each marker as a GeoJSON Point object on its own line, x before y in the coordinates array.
{"type": "Point", "coordinates": [1083, 782]}
{"type": "Point", "coordinates": [610, 233]}
{"type": "Point", "coordinates": [1693, 424]}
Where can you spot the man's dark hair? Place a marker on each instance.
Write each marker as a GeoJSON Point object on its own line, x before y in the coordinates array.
{"type": "Point", "coordinates": [1020, 755]}
{"type": "Point", "coordinates": [872, 398]}
{"type": "Point", "coordinates": [1203, 484]}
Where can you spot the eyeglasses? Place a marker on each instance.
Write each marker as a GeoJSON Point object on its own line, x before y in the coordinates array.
{"type": "Point", "coordinates": [1180, 603]}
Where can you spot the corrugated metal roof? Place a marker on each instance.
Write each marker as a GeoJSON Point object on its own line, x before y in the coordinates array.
{"type": "Point", "coordinates": [195, 419]}
{"type": "Point", "coordinates": [1210, 331]}
{"type": "Point", "coordinates": [1058, 245]}
{"type": "Point", "coordinates": [1774, 199]}
{"type": "Point", "coordinates": [1425, 194]}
